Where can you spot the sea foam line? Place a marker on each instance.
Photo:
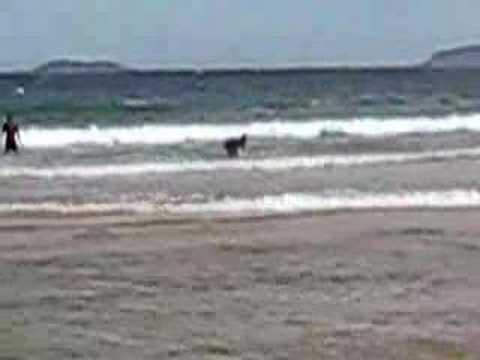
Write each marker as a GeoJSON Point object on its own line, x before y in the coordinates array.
{"type": "Point", "coordinates": [268, 165]}
{"type": "Point", "coordinates": [179, 133]}
{"type": "Point", "coordinates": [347, 200]}
{"type": "Point", "coordinates": [272, 204]}
{"type": "Point", "coordinates": [77, 209]}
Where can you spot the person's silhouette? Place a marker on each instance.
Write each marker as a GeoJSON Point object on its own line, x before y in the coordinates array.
{"type": "Point", "coordinates": [12, 133]}
{"type": "Point", "coordinates": [233, 145]}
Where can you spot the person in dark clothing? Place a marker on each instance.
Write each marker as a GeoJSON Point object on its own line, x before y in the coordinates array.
{"type": "Point", "coordinates": [233, 145]}
{"type": "Point", "coordinates": [12, 134]}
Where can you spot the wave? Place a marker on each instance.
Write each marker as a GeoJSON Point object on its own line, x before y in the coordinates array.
{"type": "Point", "coordinates": [176, 133]}
{"type": "Point", "coordinates": [349, 200]}
{"type": "Point", "coordinates": [268, 165]}
{"type": "Point", "coordinates": [277, 204]}
{"type": "Point", "coordinates": [77, 209]}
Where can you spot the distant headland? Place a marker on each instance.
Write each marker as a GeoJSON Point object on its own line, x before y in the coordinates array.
{"type": "Point", "coordinates": [73, 67]}
{"type": "Point", "coordinates": [466, 57]}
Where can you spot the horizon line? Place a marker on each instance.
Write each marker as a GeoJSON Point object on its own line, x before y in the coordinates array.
{"type": "Point", "coordinates": [158, 66]}
{"type": "Point", "coordinates": [222, 67]}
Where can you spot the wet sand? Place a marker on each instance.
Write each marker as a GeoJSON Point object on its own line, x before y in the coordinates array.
{"type": "Point", "coordinates": [346, 285]}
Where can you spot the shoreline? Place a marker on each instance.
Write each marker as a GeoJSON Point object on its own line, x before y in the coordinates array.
{"type": "Point", "coordinates": [168, 218]}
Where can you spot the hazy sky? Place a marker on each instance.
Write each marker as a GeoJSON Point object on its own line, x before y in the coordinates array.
{"type": "Point", "coordinates": [226, 32]}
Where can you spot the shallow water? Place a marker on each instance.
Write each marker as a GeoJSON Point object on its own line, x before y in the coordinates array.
{"type": "Point", "coordinates": [130, 142]}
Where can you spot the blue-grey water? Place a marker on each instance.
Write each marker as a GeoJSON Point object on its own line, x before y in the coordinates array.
{"type": "Point", "coordinates": [317, 140]}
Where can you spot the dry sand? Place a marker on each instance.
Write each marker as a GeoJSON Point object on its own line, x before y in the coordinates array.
{"type": "Point", "coordinates": [363, 285]}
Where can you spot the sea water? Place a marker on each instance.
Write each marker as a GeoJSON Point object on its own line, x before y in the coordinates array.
{"type": "Point", "coordinates": [317, 140]}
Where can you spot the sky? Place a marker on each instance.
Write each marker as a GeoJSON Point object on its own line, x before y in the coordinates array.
{"type": "Point", "coordinates": [212, 33]}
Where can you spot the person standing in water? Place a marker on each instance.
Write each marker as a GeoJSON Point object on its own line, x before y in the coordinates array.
{"type": "Point", "coordinates": [12, 134]}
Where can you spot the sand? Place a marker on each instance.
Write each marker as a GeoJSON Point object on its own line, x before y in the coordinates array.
{"type": "Point", "coordinates": [347, 285]}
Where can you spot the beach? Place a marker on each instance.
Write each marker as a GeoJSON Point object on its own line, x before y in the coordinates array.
{"type": "Point", "coordinates": [224, 180]}
{"type": "Point", "coordinates": [383, 284]}
{"type": "Point", "coordinates": [346, 229]}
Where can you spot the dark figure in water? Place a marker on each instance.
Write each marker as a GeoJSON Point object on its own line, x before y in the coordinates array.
{"type": "Point", "coordinates": [11, 135]}
{"type": "Point", "coordinates": [233, 145]}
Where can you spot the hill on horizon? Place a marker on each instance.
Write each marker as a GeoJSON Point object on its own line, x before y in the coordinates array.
{"type": "Point", "coordinates": [464, 57]}
{"type": "Point", "coordinates": [67, 66]}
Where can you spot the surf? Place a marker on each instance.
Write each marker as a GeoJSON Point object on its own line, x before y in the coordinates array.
{"type": "Point", "coordinates": [267, 165]}
{"type": "Point", "coordinates": [168, 134]}
{"type": "Point", "coordinates": [289, 203]}
{"type": "Point", "coordinates": [293, 203]}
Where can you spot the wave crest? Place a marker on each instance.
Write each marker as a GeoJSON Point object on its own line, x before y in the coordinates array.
{"type": "Point", "coordinates": [269, 164]}
{"type": "Point", "coordinates": [174, 134]}
{"type": "Point", "coordinates": [350, 200]}
{"type": "Point", "coordinates": [273, 204]}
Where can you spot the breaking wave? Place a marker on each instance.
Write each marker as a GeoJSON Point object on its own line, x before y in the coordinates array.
{"type": "Point", "coordinates": [268, 165]}
{"type": "Point", "coordinates": [353, 200]}
{"type": "Point", "coordinates": [174, 134]}
{"type": "Point", "coordinates": [274, 204]}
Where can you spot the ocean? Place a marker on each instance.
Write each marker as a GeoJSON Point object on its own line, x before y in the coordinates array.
{"type": "Point", "coordinates": [319, 140]}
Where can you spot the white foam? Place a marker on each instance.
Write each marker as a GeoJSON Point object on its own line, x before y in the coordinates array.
{"type": "Point", "coordinates": [347, 200]}
{"type": "Point", "coordinates": [269, 164]}
{"type": "Point", "coordinates": [77, 209]}
{"type": "Point", "coordinates": [174, 134]}
{"type": "Point", "coordinates": [275, 204]}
